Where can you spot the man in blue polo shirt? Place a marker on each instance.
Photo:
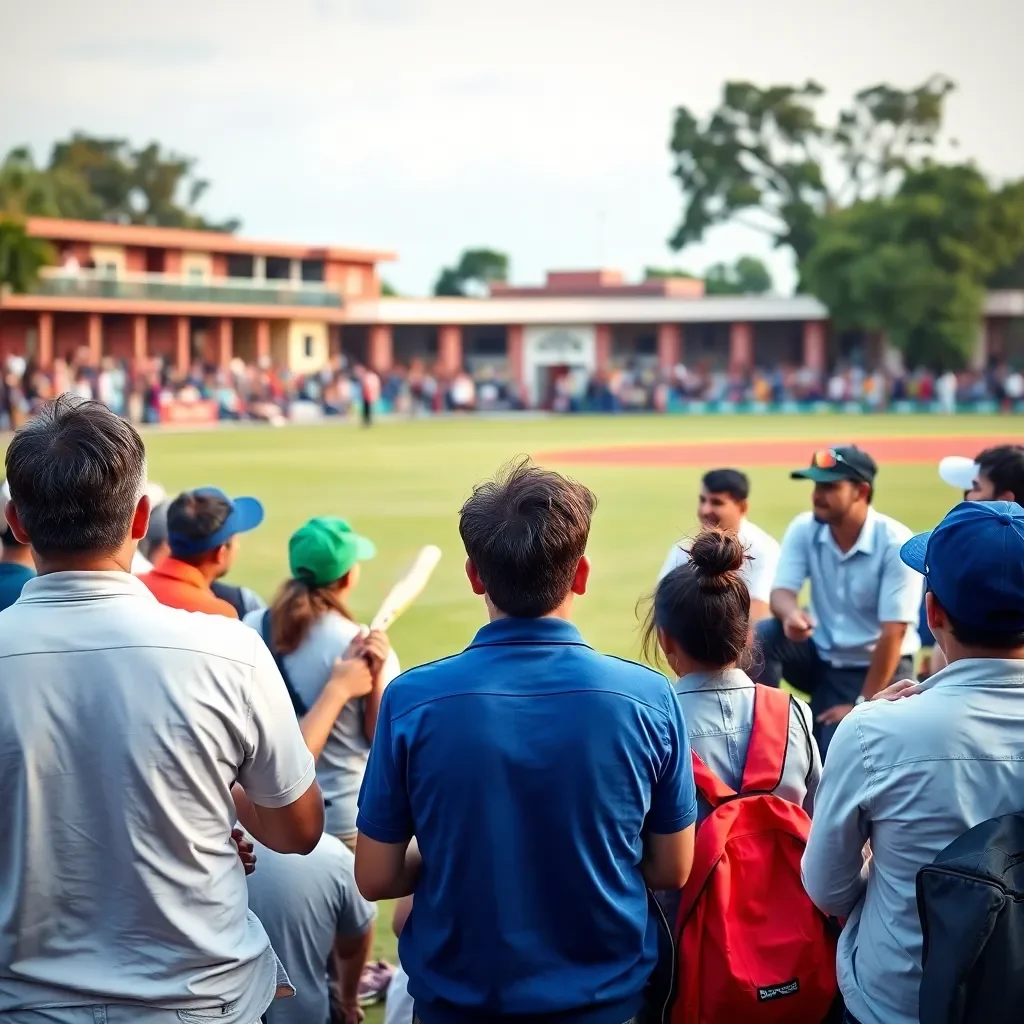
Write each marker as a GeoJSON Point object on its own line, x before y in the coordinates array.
{"type": "Point", "coordinates": [545, 785]}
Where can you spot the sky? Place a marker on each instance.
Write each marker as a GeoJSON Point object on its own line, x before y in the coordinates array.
{"type": "Point", "coordinates": [536, 127]}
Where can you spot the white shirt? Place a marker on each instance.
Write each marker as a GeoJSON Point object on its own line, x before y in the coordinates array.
{"type": "Point", "coordinates": [758, 570]}
{"type": "Point", "coordinates": [852, 592]}
{"type": "Point", "coordinates": [911, 776]}
{"type": "Point", "coordinates": [123, 725]}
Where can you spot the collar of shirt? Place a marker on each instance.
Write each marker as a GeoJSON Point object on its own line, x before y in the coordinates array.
{"type": "Point", "coordinates": [729, 679]}
{"type": "Point", "coordinates": [978, 672]}
{"type": "Point", "coordinates": [865, 543]}
{"type": "Point", "coordinates": [172, 569]}
{"type": "Point", "coordinates": [547, 630]}
{"type": "Point", "coordinates": [83, 586]}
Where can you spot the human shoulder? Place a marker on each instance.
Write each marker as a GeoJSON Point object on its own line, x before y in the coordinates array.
{"type": "Point", "coordinates": [893, 530]}
{"type": "Point", "coordinates": [754, 537]}
{"type": "Point", "coordinates": [803, 522]}
{"type": "Point", "coordinates": [200, 632]}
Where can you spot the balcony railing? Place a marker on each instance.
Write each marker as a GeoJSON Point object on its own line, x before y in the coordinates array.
{"type": "Point", "coordinates": [98, 284]}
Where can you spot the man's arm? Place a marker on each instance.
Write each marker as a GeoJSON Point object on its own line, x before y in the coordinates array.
{"type": "Point", "coordinates": [349, 956]}
{"type": "Point", "coordinates": [386, 871]}
{"type": "Point", "coordinates": [834, 869]}
{"type": "Point", "coordinates": [790, 575]}
{"type": "Point", "coordinates": [350, 680]}
{"type": "Point", "coordinates": [885, 658]}
{"type": "Point", "coordinates": [385, 668]}
{"type": "Point", "coordinates": [669, 829]}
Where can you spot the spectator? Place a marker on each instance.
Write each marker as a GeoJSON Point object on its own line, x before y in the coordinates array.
{"type": "Point", "coordinates": [546, 785]}
{"type": "Point", "coordinates": [122, 895]}
{"type": "Point", "coordinates": [318, 925]}
{"type": "Point", "coordinates": [141, 562]}
{"type": "Point", "coordinates": [861, 632]}
{"type": "Point", "coordinates": [911, 775]}
{"type": "Point", "coordinates": [16, 565]}
{"type": "Point", "coordinates": [154, 547]}
{"type": "Point", "coordinates": [723, 503]}
{"type": "Point", "coordinates": [202, 531]}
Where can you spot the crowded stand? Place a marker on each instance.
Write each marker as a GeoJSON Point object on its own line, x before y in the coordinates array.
{"type": "Point", "coordinates": [154, 392]}
{"type": "Point", "coordinates": [206, 797]}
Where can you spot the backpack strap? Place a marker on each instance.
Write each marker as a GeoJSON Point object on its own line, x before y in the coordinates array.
{"type": "Point", "coordinates": [268, 638]}
{"type": "Point", "coordinates": [766, 753]}
{"type": "Point", "coordinates": [709, 785]}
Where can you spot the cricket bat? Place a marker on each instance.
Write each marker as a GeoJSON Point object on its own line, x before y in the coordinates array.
{"type": "Point", "coordinates": [408, 588]}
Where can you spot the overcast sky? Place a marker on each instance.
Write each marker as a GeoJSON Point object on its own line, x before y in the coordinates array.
{"type": "Point", "coordinates": [538, 127]}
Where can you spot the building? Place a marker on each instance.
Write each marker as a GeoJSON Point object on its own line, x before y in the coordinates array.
{"type": "Point", "coordinates": [197, 297]}
{"type": "Point", "coordinates": [136, 293]}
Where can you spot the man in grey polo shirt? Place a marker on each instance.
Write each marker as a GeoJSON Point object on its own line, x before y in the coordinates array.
{"type": "Point", "coordinates": [913, 774]}
{"type": "Point", "coordinates": [317, 921]}
{"type": "Point", "coordinates": [132, 736]}
{"type": "Point", "coordinates": [861, 630]}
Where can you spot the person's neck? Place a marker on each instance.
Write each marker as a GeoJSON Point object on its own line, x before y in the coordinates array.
{"type": "Point", "coordinates": [845, 534]}
{"type": "Point", "coordinates": [21, 555]}
{"type": "Point", "coordinates": [119, 561]}
{"type": "Point", "coordinates": [687, 666]}
{"type": "Point", "coordinates": [955, 651]}
{"type": "Point", "coordinates": [210, 571]}
{"type": "Point", "coordinates": [563, 611]}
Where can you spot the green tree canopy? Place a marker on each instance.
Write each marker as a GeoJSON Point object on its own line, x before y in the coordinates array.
{"type": "Point", "coordinates": [21, 256]}
{"type": "Point", "coordinates": [765, 157]}
{"type": "Point", "coordinates": [747, 276]}
{"type": "Point", "coordinates": [915, 265]}
{"type": "Point", "coordinates": [476, 270]}
{"type": "Point", "coordinates": [90, 178]}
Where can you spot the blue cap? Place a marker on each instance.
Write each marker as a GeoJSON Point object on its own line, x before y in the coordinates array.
{"type": "Point", "coordinates": [246, 514]}
{"type": "Point", "coordinates": [973, 562]}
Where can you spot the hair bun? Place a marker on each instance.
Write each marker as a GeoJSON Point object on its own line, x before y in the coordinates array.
{"type": "Point", "coordinates": [717, 557]}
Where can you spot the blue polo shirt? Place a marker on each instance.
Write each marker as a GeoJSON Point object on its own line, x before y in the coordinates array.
{"type": "Point", "coordinates": [12, 578]}
{"type": "Point", "coordinates": [528, 767]}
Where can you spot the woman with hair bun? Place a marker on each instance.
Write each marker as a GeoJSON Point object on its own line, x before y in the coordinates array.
{"type": "Point", "coordinates": [699, 622]}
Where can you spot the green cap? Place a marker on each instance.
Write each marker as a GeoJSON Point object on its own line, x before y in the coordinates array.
{"type": "Point", "coordinates": [324, 550]}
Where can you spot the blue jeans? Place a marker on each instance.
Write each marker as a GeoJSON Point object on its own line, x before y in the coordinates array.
{"type": "Point", "coordinates": [802, 666]}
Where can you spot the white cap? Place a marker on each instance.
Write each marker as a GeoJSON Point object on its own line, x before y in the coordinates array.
{"type": "Point", "coordinates": [155, 493]}
{"type": "Point", "coordinates": [958, 471]}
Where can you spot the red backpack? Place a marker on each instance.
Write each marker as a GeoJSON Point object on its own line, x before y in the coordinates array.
{"type": "Point", "coordinates": [752, 948]}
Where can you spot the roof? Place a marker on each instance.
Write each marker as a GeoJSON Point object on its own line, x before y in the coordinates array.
{"type": "Point", "coordinates": [586, 310]}
{"type": "Point", "coordinates": [104, 233]}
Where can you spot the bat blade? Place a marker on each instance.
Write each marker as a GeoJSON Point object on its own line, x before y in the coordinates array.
{"type": "Point", "coordinates": [408, 587]}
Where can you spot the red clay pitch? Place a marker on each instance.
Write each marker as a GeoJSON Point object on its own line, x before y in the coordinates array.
{"type": "Point", "coordinates": [778, 452]}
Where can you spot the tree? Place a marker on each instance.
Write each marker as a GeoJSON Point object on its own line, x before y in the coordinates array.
{"type": "Point", "coordinates": [476, 270]}
{"type": "Point", "coordinates": [747, 276]}
{"type": "Point", "coordinates": [21, 256]}
{"type": "Point", "coordinates": [388, 290]}
{"type": "Point", "coordinates": [914, 265]}
{"type": "Point", "coordinates": [765, 158]}
{"type": "Point", "coordinates": [91, 178]}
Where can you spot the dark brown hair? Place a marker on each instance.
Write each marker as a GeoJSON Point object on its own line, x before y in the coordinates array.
{"type": "Point", "coordinates": [525, 532]}
{"type": "Point", "coordinates": [76, 473]}
{"type": "Point", "coordinates": [297, 606]}
{"type": "Point", "coordinates": [704, 604]}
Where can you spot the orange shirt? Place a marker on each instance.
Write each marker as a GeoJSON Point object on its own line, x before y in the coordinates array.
{"type": "Point", "coordinates": [180, 585]}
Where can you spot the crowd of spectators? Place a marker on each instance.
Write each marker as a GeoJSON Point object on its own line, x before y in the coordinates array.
{"type": "Point", "coordinates": [142, 392]}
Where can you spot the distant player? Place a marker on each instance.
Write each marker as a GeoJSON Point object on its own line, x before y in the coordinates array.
{"type": "Point", "coordinates": [997, 474]}
{"type": "Point", "coordinates": [723, 503]}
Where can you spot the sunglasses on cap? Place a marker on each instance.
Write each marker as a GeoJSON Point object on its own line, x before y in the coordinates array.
{"type": "Point", "coordinates": [829, 458]}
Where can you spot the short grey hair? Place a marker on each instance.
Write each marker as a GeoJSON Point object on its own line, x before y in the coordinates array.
{"type": "Point", "coordinates": [76, 473]}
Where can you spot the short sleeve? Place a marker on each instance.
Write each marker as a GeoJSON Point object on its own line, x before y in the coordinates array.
{"type": "Point", "coordinates": [278, 767]}
{"type": "Point", "coordinates": [384, 811]}
{"type": "Point", "coordinates": [355, 915]}
{"type": "Point", "coordinates": [674, 796]}
{"type": "Point", "coordinates": [899, 597]}
{"type": "Point", "coordinates": [761, 568]}
{"type": "Point", "coordinates": [794, 564]}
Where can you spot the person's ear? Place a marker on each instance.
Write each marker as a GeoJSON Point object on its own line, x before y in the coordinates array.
{"type": "Point", "coordinates": [14, 522]}
{"type": "Point", "coordinates": [743, 506]}
{"type": "Point", "coordinates": [935, 613]}
{"type": "Point", "coordinates": [140, 521]}
{"type": "Point", "coordinates": [670, 649]}
{"type": "Point", "coordinates": [581, 577]}
{"type": "Point", "coordinates": [474, 579]}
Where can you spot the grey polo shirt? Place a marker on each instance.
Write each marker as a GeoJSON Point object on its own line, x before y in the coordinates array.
{"type": "Point", "coordinates": [123, 725]}
{"type": "Point", "coordinates": [853, 592]}
{"type": "Point", "coordinates": [305, 903]}
{"type": "Point", "coordinates": [911, 776]}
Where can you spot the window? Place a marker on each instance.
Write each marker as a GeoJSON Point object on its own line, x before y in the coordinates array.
{"type": "Point", "coordinates": [108, 268]}
{"type": "Point", "coordinates": [307, 342]}
{"type": "Point", "coordinates": [196, 273]}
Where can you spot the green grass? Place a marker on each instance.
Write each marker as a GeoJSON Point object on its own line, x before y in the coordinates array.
{"type": "Point", "coordinates": [402, 484]}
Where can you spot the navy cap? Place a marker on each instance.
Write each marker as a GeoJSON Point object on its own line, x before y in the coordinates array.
{"type": "Point", "coordinates": [974, 564]}
{"type": "Point", "coordinates": [246, 514]}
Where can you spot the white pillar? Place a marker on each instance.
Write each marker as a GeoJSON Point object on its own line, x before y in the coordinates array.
{"type": "Point", "coordinates": [259, 268]}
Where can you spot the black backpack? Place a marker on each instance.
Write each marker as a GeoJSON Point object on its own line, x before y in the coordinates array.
{"type": "Point", "coordinates": [266, 631]}
{"type": "Point", "coordinates": [971, 905]}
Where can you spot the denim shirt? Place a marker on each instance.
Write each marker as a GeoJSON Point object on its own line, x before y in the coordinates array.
{"type": "Point", "coordinates": [911, 776]}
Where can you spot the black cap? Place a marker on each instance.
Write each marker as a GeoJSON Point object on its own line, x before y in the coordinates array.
{"type": "Point", "coordinates": [842, 463]}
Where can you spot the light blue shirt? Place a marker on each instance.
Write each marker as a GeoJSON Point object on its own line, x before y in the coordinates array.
{"type": "Point", "coordinates": [852, 593]}
{"type": "Point", "coordinates": [910, 776]}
